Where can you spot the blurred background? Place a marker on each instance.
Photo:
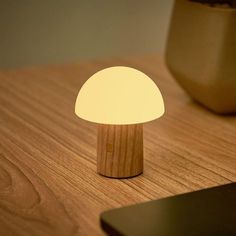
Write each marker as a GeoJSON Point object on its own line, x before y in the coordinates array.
{"type": "Point", "coordinates": [63, 31]}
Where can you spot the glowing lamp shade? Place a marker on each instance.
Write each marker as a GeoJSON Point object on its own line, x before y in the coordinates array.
{"type": "Point", "coordinates": [120, 99]}
{"type": "Point", "coordinates": [119, 95]}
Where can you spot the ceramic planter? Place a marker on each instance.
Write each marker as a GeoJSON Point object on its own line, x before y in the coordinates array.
{"type": "Point", "coordinates": [201, 53]}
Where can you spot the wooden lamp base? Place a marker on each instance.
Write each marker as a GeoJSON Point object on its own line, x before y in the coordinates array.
{"type": "Point", "coordinates": [120, 150]}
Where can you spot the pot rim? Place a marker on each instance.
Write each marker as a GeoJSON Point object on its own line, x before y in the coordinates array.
{"type": "Point", "coordinates": [213, 9]}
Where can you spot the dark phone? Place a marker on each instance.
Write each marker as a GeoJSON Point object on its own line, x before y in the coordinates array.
{"type": "Point", "coordinates": [207, 212]}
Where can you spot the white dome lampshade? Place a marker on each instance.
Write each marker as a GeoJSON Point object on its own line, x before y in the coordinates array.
{"type": "Point", "coordinates": [119, 99]}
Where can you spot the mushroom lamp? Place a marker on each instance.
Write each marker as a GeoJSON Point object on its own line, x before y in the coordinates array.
{"type": "Point", "coordinates": [119, 99]}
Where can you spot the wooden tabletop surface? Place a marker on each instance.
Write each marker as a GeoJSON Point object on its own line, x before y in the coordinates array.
{"type": "Point", "coordinates": [48, 179]}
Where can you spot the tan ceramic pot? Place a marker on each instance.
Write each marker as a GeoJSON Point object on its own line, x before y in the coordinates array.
{"type": "Point", "coordinates": [201, 53]}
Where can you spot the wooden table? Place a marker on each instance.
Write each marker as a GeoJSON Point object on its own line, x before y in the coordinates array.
{"type": "Point", "coordinates": [48, 179]}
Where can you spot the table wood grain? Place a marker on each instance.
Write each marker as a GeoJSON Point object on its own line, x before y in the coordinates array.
{"type": "Point", "coordinates": [48, 179]}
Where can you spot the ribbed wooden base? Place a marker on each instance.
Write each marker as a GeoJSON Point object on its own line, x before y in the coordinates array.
{"type": "Point", "coordinates": [120, 150]}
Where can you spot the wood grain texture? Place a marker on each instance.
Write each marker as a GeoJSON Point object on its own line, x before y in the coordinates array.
{"type": "Point", "coordinates": [48, 179]}
{"type": "Point", "coordinates": [28, 206]}
{"type": "Point", "coordinates": [120, 150]}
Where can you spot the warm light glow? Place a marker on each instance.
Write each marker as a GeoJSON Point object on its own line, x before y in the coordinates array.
{"type": "Point", "coordinates": [119, 95]}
